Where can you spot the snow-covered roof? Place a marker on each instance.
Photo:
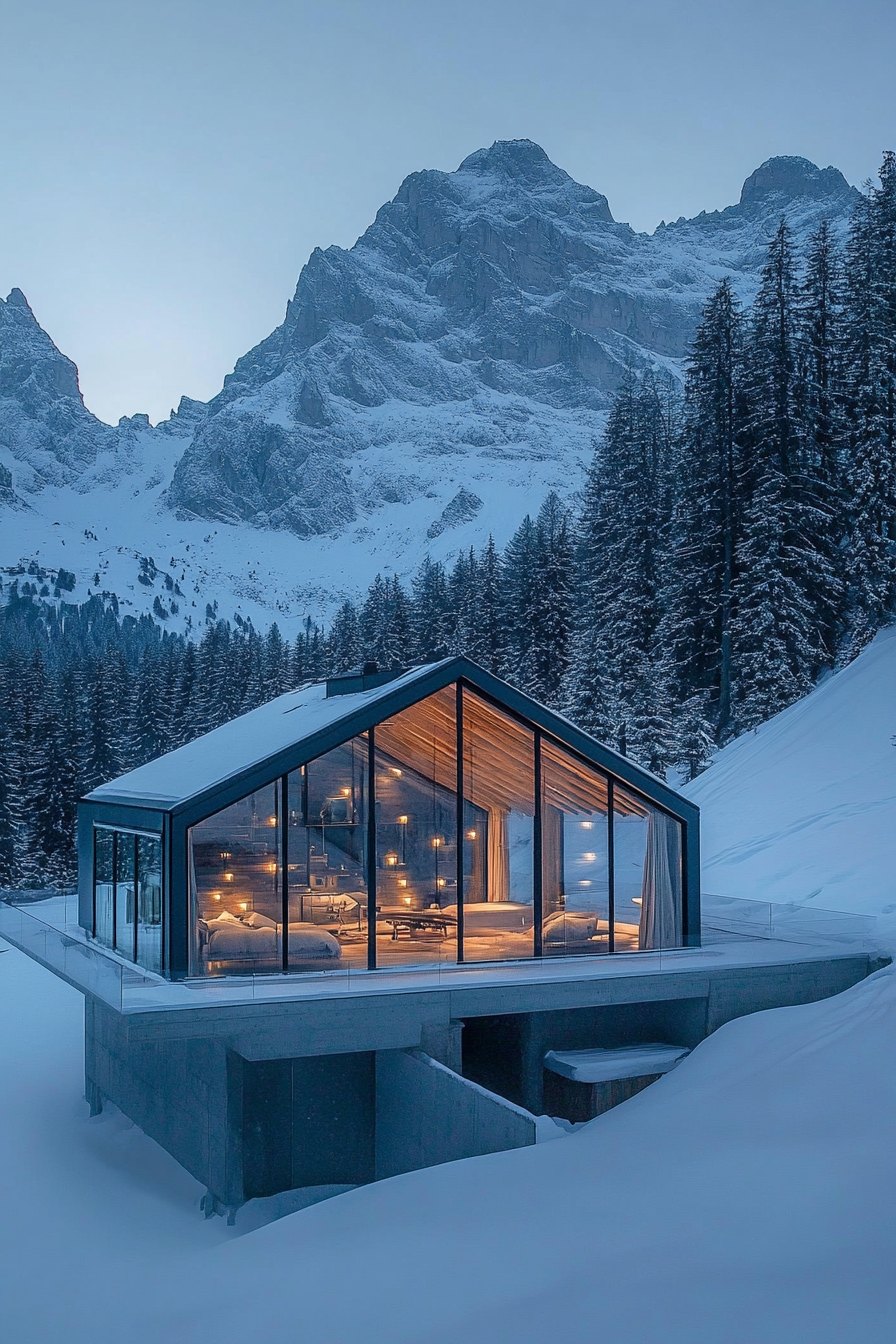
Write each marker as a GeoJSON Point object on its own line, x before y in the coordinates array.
{"type": "Point", "coordinates": [247, 741]}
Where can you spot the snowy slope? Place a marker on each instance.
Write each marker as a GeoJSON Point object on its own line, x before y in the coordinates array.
{"type": "Point", "coordinates": [804, 808]}
{"type": "Point", "coordinates": [749, 1197]}
{"type": "Point", "coordinates": [470, 340]}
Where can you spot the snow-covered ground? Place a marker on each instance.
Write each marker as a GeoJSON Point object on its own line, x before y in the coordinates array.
{"type": "Point", "coordinates": [749, 1197]}
{"type": "Point", "coordinates": [804, 808]}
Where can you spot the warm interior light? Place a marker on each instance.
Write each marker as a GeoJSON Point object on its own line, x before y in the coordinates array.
{"type": "Point", "coordinates": [587, 825]}
{"type": "Point", "coordinates": [272, 867]}
{"type": "Point", "coordinates": [402, 881]}
{"type": "Point", "coordinates": [391, 860]}
{"type": "Point", "coordinates": [225, 854]}
{"type": "Point", "coordinates": [436, 841]}
{"type": "Point", "coordinates": [441, 881]}
{"type": "Point", "coordinates": [402, 821]}
{"type": "Point", "coordinates": [216, 895]}
{"type": "Point", "coordinates": [228, 877]}
{"type": "Point", "coordinates": [272, 821]}
{"type": "Point", "coordinates": [394, 770]}
{"type": "Point", "coordinates": [406, 899]}
{"type": "Point", "coordinates": [346, 793]}
{"type": "Point", "coordinates": [471, 835]}
{"type": "Point", "coordinates": [244, 905]}
{"type": "Point", "coordinates": [589, 857]}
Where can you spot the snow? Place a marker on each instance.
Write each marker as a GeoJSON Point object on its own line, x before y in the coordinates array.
{"type": "Point", "coordinates": [243, 742]}
{"type": "Point", "coordinates": [747, 1197]}
{"type": "Point", "coordinates": [804, 808]}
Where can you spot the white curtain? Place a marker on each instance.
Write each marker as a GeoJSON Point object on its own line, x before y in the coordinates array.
{"type": "Point", "coordinates": [661, 887]}
{"type": "Point", "coordinates": [498, 856]}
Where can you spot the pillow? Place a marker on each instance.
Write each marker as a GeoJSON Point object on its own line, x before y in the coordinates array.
{"type": "Point", "coordinates": [257, 921]}
{"type": "Point", "coordinates": [221, 921]}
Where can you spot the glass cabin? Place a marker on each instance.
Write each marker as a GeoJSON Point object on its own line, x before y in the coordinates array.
{"type": "Point", "coordinates": [435, 816]}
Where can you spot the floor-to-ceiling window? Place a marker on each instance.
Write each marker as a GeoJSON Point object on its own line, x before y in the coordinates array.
{"type": "Point", "coordinates": [127, 894]}
{"type": "Point", "coordinates": [498, 834]}
{"type": "Point", "coordinates": [234, 876]}
{"type": "Point", "coordinates": [648, 875]}
{"type": "Point", "coordinates": [327, 859]}
{"type": "Point", "coordinates": [416, 833]}
{"type": "Point", "coordinates": [575, 854]}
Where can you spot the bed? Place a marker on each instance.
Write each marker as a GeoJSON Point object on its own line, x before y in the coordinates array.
{"type": "Point", "coordinates": [256, 938]}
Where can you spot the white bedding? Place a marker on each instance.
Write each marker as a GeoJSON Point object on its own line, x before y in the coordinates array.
{"type": "Point", "coordinates": [235, 941]}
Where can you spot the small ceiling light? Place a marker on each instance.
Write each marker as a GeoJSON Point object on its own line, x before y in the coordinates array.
{"type": "Point", "coordinates": [402, 821]}
{"type": "Point", "coordinates": [216, 895]}
{"type": "Point", "coordinates": [228, 877]}
{"type": "Point", "coordinates": [471, 835]}
{"type": "Point", "coordinates": [394, 770]}
{"type": "Point", "coordinates": [272, 821]}
{"type": "Point", "coordinates": [587, 825]}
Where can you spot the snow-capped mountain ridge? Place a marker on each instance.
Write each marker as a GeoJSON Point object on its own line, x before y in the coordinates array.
{"type": "Point", "coordinates": [470, 339]}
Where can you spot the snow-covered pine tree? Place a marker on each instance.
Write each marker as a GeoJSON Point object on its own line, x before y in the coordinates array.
{"type": "Point", "coordinates": [618, 685]}
{"type": "Point", "coordinates": [870, 375]}
{"type": "Point", "coordinates": [518, 601]}
{"type": "Point", "coordinates": [774, 651]}
{"type": "Point", "coordinates": [708, 514]}
{"type": "Point", "coordinates": [345, 639]}
{"type": "Point", "coordinates": [820, 470]}
{"type": "Point", "coordinates": [429, 610]}
{"type": "Point", "coordinates": [551, 615]}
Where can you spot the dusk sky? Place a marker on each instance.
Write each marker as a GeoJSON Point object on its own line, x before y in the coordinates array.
{"type": "Point", "coordinates": [168, 165]}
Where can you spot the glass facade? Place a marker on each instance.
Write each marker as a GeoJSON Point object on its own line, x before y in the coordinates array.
{"type": "Point", "coordinates": [452, 831]}
{"type": "Point", "coordinates": [127, 894]}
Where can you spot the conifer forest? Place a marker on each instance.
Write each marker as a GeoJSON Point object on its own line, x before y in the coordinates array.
{"type": "Point", "coordinates": [734, 539]}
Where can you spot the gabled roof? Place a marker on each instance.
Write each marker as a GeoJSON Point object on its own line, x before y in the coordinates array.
{"type": "Point", "coordinates": [299, 726]}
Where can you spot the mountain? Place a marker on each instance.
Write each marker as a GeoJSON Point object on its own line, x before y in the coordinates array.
{"type": "Point", "coordinates": [426, 387]}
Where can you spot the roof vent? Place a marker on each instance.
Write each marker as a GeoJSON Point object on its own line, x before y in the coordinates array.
{"type": "Point", "coordinates": [369, 676]}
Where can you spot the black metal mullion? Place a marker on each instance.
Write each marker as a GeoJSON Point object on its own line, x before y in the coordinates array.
{"type": "Point", "coordinates": [115, 889]}
{"type": "Point", "coordinates": [284, 869]}
{"type": "Point", "coordinates": [93, 925]}
{"type": "Point", "coordinates": [537, 854]}
{"type": "Point", "coordinates": [136, 888]}
{"type": "Point", "coordinates": [611, 866]}
{"type": "Point", "coordinates": [371, 851]}
{"type": "Point", "coordinates": [461, 827]}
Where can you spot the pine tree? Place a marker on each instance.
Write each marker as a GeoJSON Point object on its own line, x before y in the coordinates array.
{"type": "Point", "coordinates": [709, 510]}
{"type": "Point", "coordinates": [551, 615]}
{"type": "Point", "coordinates": [345, 639]}
{"type": "Point", "coordinates": [429, 611]}
{"type": "Point", "coordinates": [774, 651]}
{"type": "Point", "coordinates": [870, 374]}
{"type": "Point", "coordinates": [518, 594]}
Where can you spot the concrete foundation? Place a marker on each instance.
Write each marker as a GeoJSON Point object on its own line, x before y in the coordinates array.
{"type": "Point", "coordinates": [338, 1089]}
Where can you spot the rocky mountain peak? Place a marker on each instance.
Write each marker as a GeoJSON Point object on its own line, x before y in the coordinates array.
{"type": "Point", "coordinates": [791, 176]}
{"type": "Point", "coordinates": [514, 158]}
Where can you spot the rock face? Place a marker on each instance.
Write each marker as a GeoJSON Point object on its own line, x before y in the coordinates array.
{"type": "Point", "coordinates": [476, 330]}
{"type": "Point", "coordinates": [44, 424]}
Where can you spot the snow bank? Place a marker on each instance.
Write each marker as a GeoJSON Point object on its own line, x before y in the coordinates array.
{"type": "Point", "coordinates": [746, 1197]}
{"type": "Point", "coordinates": [804, 808]}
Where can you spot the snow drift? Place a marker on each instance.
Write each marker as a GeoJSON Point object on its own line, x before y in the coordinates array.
{"type": "Point", "coordinates": [804, 808]}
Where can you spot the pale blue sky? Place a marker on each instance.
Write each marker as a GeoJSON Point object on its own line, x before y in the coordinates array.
{"type": "Point", "coordinates": [166, 166]}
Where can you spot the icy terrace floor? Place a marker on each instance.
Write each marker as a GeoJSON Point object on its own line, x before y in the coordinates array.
{"type": "Point", "coordinates": [49, 931]}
